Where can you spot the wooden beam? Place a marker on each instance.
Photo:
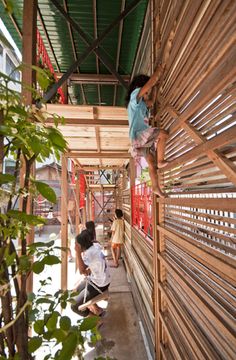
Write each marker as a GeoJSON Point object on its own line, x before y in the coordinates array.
{"type": "Point", "coordinates": [88, 115]}
{"type": "Point", "coordinates": [220, 262]}
{"type": "Point", "coordinates": [100, 155]}
{"type": "Point", "coordinates": [103, 167]}
{"type": "Point", "coordinates": [223, 139]}
{"type": "Point", "coordinates": [219, 78]}
{"type": "Point", "coordinates": [225, 165]}
{"type": "Point", "coordinates": [86, 122]}
{"type": "Point", "coordinates": [226, 204]}
{"type": "Point", "coordinates": [98, 79]}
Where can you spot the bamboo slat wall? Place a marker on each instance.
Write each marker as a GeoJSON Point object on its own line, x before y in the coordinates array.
{"type": "Point", "coordinates": [195, 241]}
{"type": "Point", "coordinates": [138, 257]}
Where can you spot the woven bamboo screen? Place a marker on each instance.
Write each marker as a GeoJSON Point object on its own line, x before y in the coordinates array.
{"type": "Point", "coordinates": [194, 248]}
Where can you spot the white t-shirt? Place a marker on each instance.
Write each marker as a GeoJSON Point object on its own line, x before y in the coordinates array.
{"type": "Point", "coordinates": [118, 234]}
{"type": "Point", "coordinates": [94, 258]}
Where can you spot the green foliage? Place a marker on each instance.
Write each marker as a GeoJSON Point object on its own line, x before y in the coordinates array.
{"type": "Point", "coordinates": [145, 177]}
{"type": "Point", "coordinates": [25, 138]}
{"type": "Point", "coordinates": [45, 190]}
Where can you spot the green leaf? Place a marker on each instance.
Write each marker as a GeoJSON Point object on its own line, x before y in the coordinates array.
{"type": "Point", "coordinates": [63, 304]}
{"type": "Point", "coordinates": [29, 219]}
{"type": "Point", "coordinates": [52, 321]}
{"type": "Point", "coordinates": [10, 259]}
{"type": "Point", "coordinates": [36, 145]}
{"type": "Point", "coordinates": [43, 81]}
{"type": "Point", "coordinates": [65, 323]}
{"type": "Point", "coordinates": [68, 347]}
{"type": "Point", "coordinates": [6, 178]}
{"type": "Point", "coordinates": [24, 263]}
{"type": "Point", "coordinates": [89, 323]}
{"type": "Point", "coordinates": [44, 301]}
{"type": "Point", "coordinates": [40, 244]}
{"type": "Point", "coordinates": [51, 260]}
{"type": "Point", "coordinates": [47, 335]}
{"type": "Point", "coordinates": [45, 190]}
{"type": "Point", "coordinates": [38, 267]}
{"type": "Point", "coordinates": [33, 315]}
{"type": "Point", "coordinates": [18, 110]}
{"type": "Point", "coordinates": [47, 357]}
{"type": "Point", "coordinates": [59, 335]}
{"type": "Point", "coordinates": [31, 296]}
{"type": "Point", "coordinates": [57, 138]}
{"type": "Point", "coordinates": [34, 343]}
{"type": "Point", "coordinates": [39, 327]}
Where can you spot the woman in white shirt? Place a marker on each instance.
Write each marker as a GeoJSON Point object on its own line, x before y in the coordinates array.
{"type": "Point", "coordinates": [94, 266]}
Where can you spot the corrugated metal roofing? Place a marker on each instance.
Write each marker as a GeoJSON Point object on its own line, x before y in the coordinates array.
{"type": "Point", "coordinates": [94, 16]}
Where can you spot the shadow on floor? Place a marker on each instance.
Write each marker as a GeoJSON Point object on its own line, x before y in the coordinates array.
{"type": "Point", "coordinates": [121, 334]}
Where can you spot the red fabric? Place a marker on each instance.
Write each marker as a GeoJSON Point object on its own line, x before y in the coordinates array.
{"type": "Point", "coordinates": [82, 189]}
{"type": "Point", "coordinates": [43, 54]}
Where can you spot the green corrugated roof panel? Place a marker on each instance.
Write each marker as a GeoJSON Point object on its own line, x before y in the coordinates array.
{"type": "Point", "coordinates": [83, 13]}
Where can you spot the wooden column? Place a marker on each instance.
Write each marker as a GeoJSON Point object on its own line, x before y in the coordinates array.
{"type": "Point", "coordinates": [65, 91]}
{"type": "Point", "coordinates": [29, 79]}
{"type": "Point", "coordinates": [132, 173]}
{"type": "Point", "coordinates": [159, 273]}
{"type": "Point", "coordinates": [29, 47]}
{"type": "Point", "coordinates": [64, 222]}
{"type": "Point", "coordinates": [77, 209]}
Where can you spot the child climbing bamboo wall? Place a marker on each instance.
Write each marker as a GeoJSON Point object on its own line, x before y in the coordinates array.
{"type": "Point", "coordinates": [195, 239]}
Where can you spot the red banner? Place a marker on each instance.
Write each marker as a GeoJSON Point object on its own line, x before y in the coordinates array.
{"type": "Point", "coordinates": [82, 189]}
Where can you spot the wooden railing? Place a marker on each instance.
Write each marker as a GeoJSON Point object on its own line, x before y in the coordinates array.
{"type": "Point", "coordinates": [141, 200]}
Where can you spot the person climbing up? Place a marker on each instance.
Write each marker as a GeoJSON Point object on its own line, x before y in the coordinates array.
{"type": "Point", "coordinates": [144, 137]}
{"type": "Point", "coordinates": [117, 237]}
{"type": "Point", "coordinates": [93, 265]}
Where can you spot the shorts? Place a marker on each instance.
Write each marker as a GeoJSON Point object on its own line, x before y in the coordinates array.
{"type": "Point", "coordinates": [145, 143]}
{"type": "Point", "coordinates": [116, 245]}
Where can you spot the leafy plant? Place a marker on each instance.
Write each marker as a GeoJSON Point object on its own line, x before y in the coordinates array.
{"type": "Point", "coordinates": [25, 137]}
{"type": "Point", "coordinates": [145, 177]}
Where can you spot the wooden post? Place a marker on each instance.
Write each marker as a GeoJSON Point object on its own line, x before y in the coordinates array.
{"type": "Point", "coordinates": [65, 91]}
{"type": "Point", "coordinates": [90, 205]}
{"type": "Point", "coordinates": [77, 209]}
{"type": "Point", "coordinates": [29, 78]}
{"type": "Point", "coordinates": [64, 222]}
{"type": "Point", "coordinates": [132, 173]}
{"type": "Point", "coordinates": [29, 47]}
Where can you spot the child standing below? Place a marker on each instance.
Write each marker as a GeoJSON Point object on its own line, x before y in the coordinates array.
{"type": "Point", "coordinates": [117, 238]}
{"type": "Point", "coordinates": [143, 137]}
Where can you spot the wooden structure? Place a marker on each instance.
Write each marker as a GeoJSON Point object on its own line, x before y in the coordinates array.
{"type": "Point", "coordinates": [193, 253]}
{"type": "Point", "coordinates": [184, 280]}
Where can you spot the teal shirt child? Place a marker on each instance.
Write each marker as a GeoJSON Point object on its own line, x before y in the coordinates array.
{"type": "Point", "coordinates": [137, 115]}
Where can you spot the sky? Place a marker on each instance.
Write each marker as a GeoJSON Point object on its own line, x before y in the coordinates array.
{"type": "Point", "coordinates": [9, 38]}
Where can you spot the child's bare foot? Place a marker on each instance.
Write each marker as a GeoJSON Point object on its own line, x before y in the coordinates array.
{"type": "Point", "coordinates": [114, 266]}
{"type": "Point", "coordinates": [162, 164]}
